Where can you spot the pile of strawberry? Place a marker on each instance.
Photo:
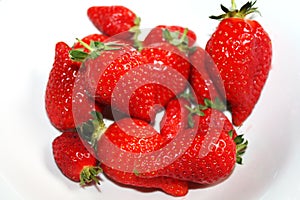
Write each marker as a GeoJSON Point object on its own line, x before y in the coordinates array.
{"type": "Point", "coordinates": [116, 75]}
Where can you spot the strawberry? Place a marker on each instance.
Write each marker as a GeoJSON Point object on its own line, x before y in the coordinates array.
{"type": "Point", "coordinates": [74, 160]}
{"type": "Point", "coordinates": [171, 34]}
{"type": "Point", "coordinates": [210, 152]}
{"type": "Point", "coordinates": [242, 51]}
{"type": "Point", "coordinates": [123, 143]}
{"type": "Point", "coordinates": [115, 76]}
{"type": "Point", "coordinates": [204, 77]}
{"type": "Point", "coordinates": [113, 20]}
{"type": "Point", "coordinates": [61, 105]}
{"type": "Point", "coordinates": [209, 159]}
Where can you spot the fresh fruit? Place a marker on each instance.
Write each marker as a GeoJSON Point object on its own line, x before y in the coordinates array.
{"type": "Point", "coordinates": [113, 20]}
{"type": "Point", "coordinates": [115, 77]}
{"type": "Point", "coordinates": [206, 153]}
{"type": "Point", "coordinates": [74, 160]}
{"type": "Point", "coordinates": [212, 149]}
{"type": "Point", "coordinates": [242, 51]}
{"type": "Point", "coordinates": [134, 80]}
{"type": "Point", "coordinates": [60, 103]}
{"type": "Point", "coordinates": [122, 145]}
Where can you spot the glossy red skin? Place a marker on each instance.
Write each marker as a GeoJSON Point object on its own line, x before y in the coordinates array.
{"type": "Point", "coordinates": [112, 20]}
{"type": "Point", "coordinates": [125, 138]}
{"type": "Point", "coordinates": [209, 152]}
{"type": "Point", "coordinates": [172, 65]}
{"type": "Point", "coordinates": [71, 156]}
{"type": "Point", "coordinates": [242, 51]}
{"type": "Point", "coordinates": [175, 118]}
{"type": "Point", "coordinates": [59, 100]}
{"type": "Point", "coordinates": [205, 79]}
{"type": "Point", "coordinates": [156, 34]}
{"type": "Point", "coordinates": [129, 137]}
{"type": "Point", "coordinates": [204, 154]}
{"type": "Point", "coordinates": [212, 168]}
{"type": "Point", "coordinates": [116, 78]}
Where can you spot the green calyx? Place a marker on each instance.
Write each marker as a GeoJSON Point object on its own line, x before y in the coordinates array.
{"type": "Point", "coordinates": [90, 174]}
{"type": "Point", "coordinates": [95, 49]}
{"type": "Point", "coordinates": [241, 146]}
{"type": "Point", "coordinates": [174, 38]}
{"type": "Point", "coordinates": [245, 10]}
{"type": "Point", "coordinates": [198, 109]}
{"type": "Point", "coordinates": [93, 129]}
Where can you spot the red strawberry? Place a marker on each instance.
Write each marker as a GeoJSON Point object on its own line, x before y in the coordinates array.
{"type": "Point", "coordinates": [74, 160]}
{"type": "Point", "coordinates": [113, 20]}
{"type": "Point", "coordinates": [209, 159]}
{"type": "Point", "coordinates": [171, 34]}
{"type": "Point", "coordinates": [242, 51]}
{"type": "Point", "coordinates": [169, 64]}
{"type": "Point", "coordinates": [205, 79]}
{"type": "Point", "coordinates": [116, 77]}
{"type": "Point", "coordinates": [209, 150]}
{"type": "Point", "coordinates": [60, 103]}
{"type": "Point", "coordinates": [122, 145]}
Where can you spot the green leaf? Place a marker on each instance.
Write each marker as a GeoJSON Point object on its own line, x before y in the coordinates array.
{"type": "Point", "coordinates": [167, 35]}
{"type": "Point", "coordinates": [217, 104]}
{"type": "Point", "coordinates": [226, 10]}
{"type": "Point", "coordinates": [241, 146]}
{"type": "Point", "coordinates": [78, 55]}
{"type": "Point", "coordinates": [239, 139]}
{"type": "Point", "coordinates": [91, 130]}
{"type": "Point", "coordinates": [239, 160]}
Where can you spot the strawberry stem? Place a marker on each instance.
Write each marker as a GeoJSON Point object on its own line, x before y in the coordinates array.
{"type": "Point", "coordinates": [88, 47]}
{"type": "Point", "coordinates": [233, 5]}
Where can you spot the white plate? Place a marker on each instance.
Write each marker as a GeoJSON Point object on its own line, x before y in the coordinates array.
{"type": "Point", "coordinates": [29, 31]}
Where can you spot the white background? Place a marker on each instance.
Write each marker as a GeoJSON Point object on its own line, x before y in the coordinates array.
{"type": "Point", "coordinates": [29, 30]}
